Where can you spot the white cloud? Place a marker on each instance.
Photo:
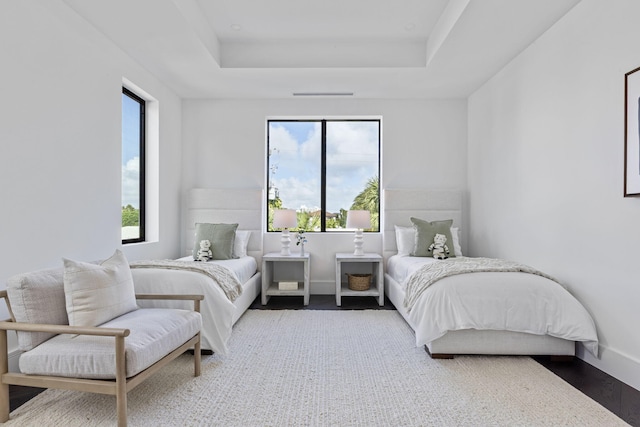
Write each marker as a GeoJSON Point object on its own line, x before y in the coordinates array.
{"type": "Point", "coordinates": [281, 140]}
{"type": "Point", "coordinates": [296, 193]}
{"type": "Point", "coordinates": [131, 183]}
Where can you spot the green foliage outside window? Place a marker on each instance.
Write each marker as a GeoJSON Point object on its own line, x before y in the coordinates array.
{"type": "Point", "coordinates": [367, 199]}
{"type": "Point", "coordinates": [130, 216]}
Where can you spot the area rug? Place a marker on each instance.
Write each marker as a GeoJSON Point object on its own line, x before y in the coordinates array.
{"type": "Point", "coordinates": [331, 368]}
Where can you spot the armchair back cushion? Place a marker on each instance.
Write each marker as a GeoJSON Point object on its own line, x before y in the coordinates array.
{"type": "Point", "coordinates": [37, 297]}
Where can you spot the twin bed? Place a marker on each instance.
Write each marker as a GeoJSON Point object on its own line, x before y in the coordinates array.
{"type": "Point", "coordinates": [219, 311]}
{"type": "Point", "coordinates": [517, 312]}
{"type": "Point", "coordinates": [512, 312]}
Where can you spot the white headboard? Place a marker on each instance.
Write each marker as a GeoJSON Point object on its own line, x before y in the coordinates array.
{"type": "Point", "coordinates": [225, 205]}
{"type": "Point", "coordinates": [431, 205]}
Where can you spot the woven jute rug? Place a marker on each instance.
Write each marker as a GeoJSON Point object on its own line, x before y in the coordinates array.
{"type": "Point", "coordinates": [331, 368]}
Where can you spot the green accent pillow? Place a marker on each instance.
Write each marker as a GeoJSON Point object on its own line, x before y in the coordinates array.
{"type": "Point", "coordinates": [221, 236]}
{"type": "Point", "coordinates": [426, 231]}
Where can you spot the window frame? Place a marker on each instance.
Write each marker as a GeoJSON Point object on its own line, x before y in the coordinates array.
{"type": "Point", "coordinates": [323, 168]}
{"type": "Point", "coordinates": [142, 178]}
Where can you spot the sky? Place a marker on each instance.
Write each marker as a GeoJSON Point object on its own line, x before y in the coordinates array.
{"type": "Point", "coordinates": [352, 160]}
{"type": "Point", "coordinates": [130, 152]}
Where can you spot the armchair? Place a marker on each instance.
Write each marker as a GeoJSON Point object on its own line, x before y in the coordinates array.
{"type": "Point", "coordinates": [112, 358]}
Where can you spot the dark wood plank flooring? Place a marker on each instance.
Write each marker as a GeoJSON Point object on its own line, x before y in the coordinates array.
{"type": "Point", "coordinates": [616, 396]}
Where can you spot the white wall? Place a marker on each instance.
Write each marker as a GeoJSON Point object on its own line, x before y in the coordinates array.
{"type": "Point", "coordinates": [60, 133]}
{"type": "Point", "coordinates": [546, 170]}
{"type": "Point", "coordinates": [423, 146]}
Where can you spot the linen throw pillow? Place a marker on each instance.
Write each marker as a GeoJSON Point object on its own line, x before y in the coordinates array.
{"type": "Point", "coordinates": [97, 293]}
{"type": "Point", "coordinates": [221, 236]}
{"type": "Point", "coordinates": [426, 231]}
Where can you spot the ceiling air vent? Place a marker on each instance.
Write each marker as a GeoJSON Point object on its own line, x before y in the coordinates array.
{"type": "Point", "coordinates": [322, 93]}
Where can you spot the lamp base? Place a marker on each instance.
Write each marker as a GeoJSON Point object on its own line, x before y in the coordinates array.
{"type": "Point", "coordinates": [285, 240]}
{"type": "Point", "coordinates": [358, 240]}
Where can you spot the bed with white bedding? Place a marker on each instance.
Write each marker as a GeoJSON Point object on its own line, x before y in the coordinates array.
{"type": "Point", "coordinates": [514, 301]}
{"type": "Point", "coordinates": [220, 308]}
{"type": "Point", "coordinates": [519, 312]}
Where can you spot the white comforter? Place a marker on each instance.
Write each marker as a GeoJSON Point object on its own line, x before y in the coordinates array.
{"type": "Point", "coordinates": [513, 301]}
{"type": "Point", "coordinates": [217, 310]}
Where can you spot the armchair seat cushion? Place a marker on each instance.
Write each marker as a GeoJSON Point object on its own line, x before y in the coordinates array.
{"type": "Point", "coordinates": [155, 332]}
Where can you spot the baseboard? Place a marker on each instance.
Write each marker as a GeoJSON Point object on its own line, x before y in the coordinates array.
{"type": "Point", "coordinates": [620, 366]}
{"type": "Point", "coordinates": [322, 287]}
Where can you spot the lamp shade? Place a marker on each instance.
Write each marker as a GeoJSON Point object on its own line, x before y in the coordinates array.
{"type": "Point", "coordinates": [359, 219]}
{"type": "Point", "coordinates": [285, 218]}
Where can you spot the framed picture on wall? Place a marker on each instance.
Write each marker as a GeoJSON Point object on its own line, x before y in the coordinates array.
{"type": "Point", "coordinates": [632, 133]}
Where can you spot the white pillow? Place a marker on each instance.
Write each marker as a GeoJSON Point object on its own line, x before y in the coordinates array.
{"type": "Point", "coordinates": [240, 243]}
{"type": "Point", "coordinates": [455, 235]}
{"type": "Point", "coordinates": [405, 240]}
{"type": "Point", "coordinates": [97, 293]}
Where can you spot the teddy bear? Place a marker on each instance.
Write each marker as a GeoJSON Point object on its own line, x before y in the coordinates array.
{"type": "Point", "coordinates": [204, 253]}
{"type": "Point", "coordinates": [438, 247]}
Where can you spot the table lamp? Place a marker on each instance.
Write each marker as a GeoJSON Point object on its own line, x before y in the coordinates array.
{"type": "Point", "coordinates": [359, 220]}
{"type": "Point", "coordinates": [285, 219]}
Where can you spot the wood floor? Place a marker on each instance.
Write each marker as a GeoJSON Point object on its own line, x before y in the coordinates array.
{"type": "Point", "coordinates": [619, 398]}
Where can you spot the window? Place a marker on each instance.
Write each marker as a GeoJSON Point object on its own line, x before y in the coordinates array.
{"type": "Point", "coordinates": [133, 167]}
{"type": "Point", "coordinates": [322, 169]}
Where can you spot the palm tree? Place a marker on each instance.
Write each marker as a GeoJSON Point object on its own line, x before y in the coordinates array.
{"type": "Point", "coordinates": [369, 199]}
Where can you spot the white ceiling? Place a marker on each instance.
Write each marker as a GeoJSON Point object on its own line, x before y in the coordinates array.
{"type": "Point", "coordinates": [371, 48]}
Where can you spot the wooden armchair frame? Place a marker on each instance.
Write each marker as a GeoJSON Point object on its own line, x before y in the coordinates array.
{"type": "Point", "coordinates": [118, 387]}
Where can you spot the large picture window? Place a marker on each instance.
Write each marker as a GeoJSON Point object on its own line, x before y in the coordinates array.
{"type": "Point", "coordinates": [322, 169]}
{"type": "Point", "coordinates": [133, 167]}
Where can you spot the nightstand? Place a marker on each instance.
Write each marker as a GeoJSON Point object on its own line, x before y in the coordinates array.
{"type": "Point", "coordinates": [299, 273]}
{"type": "Point", "coordinates": [345, 263]}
